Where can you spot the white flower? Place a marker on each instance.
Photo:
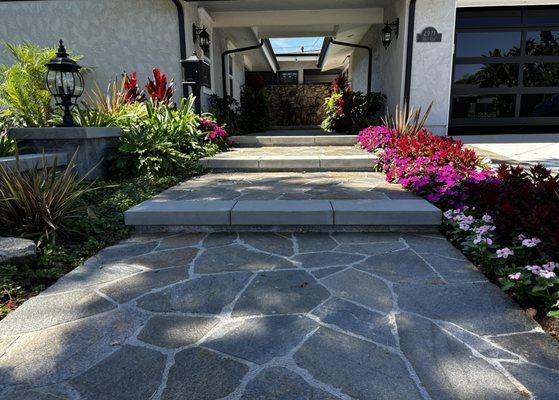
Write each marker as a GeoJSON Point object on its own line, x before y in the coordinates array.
{"type": "Point", "coordinates": [487, 218]}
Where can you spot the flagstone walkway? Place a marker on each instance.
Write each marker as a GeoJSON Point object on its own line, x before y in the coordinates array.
{"type": "Point", "coordinates": [317, 316]}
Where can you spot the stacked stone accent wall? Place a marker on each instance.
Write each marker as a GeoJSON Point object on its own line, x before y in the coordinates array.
{"type": "Point", "coordinates": [296, 105]}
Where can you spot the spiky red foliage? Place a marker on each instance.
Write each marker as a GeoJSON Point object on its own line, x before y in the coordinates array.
{"type": "Point", "coordinates": [158, 89]}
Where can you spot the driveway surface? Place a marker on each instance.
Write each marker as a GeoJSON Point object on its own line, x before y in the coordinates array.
{"type": "Point", "coordinates": [276, 316]}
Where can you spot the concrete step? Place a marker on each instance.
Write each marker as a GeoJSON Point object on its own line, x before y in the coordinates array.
{"type": "Point", "coordinates": [300, 158]}
{"type": "Point", "coordinates": [329, 215]}
{"type": "Point", "coordinates": [289, 201]}
{"type": "Point", "coordinates": [294, 140]}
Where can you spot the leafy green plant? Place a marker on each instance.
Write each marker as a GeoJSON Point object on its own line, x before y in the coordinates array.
{"type": "Point", "coordinates": [8, 146]}
{"type": "Point", "coordinates": [349, 111]}
{"type": "Point", "coordinates": [39, 202]}
{"type": "Point", "coordinates": [226, 111]}
{"type": "Point", "coordinates": [407, 121]}
{"type": "Point", "coordinates": [163, 141]}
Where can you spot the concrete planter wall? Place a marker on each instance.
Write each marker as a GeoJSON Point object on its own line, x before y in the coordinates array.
{"type": "Point", "coordinates": [94, 145]}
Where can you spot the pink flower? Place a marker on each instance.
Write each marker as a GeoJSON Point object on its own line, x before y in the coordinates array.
{"type": "Point", "coordinates": [487, 218]}
{"type": "Point", "coordinates": [515, 277]}
{"type": "Point", "coordinates": [521, 237]}
{"type": "Point", "coordinates": [547, 274]}
{"type": "Point", "coordinates": [535, 269]}
{"type": "Point", "coordinates": [531, 242]}
{"type": "Point", "coordinates": [550, 266]}
{"type": "Point", "coordinates": [504, 253]}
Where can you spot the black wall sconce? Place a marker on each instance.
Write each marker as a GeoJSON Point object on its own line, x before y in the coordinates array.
{"type": "Point", "coordinates": [390, 31]}
{"type": "Point", "coordinates": [203, 35]}
{"type": "Point", "coordinates": [64, 82]}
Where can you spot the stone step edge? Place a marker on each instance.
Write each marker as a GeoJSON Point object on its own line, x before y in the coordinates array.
{"type": "Point", "coordinates": [284, 213]}
{"type": "Point", "coordinates": [30, 161]}
{"type": "Point", "coordinates": [294, 141]}
{"type": "Point", "coordinates": [359, 162]}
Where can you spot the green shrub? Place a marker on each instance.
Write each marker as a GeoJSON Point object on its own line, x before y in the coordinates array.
{"type": "Point", "coordinates": [249, 116]}
{"type": "Point", "coordinates": [7, 146]}
{"type": "Point", "coordinates": [22, 85]}
{"type": "Point", "coordinates": [349, 111]}
{"type": "Point", "coordinates": [38, 203]}
{"type": "Point", "coordinates": [158, 139]}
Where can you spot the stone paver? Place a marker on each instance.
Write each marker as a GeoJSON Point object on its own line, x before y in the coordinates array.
{"type": "Point", "coordinates": [281, 292]}
{"type": "Point", "coordinates": [281, 383]}
{"type": "Point", "coordinates": [202, 375]}
{"type": "Point", "coordinates": [276, 316]}
{"type": "Point", "coordinates": [17, 251]}
{"type": "Point", "coordinates": [285, 186]}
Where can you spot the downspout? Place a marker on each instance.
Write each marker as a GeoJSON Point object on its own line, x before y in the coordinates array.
{"type": "Point", "coordinates": [182, 42]}
{"type": "Point", "coordinates": [226, 53]}
{"type": "Point", "coordinates": [409, 51]}
{"type": "Point", "coordinates": [359, 46]}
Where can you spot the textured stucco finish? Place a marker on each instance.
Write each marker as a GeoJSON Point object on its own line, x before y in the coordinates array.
{"type": "Point", "coordinates": [388, 64]}
{"type": "Point", "coordinates": [113, 36]}
{"type": "Point", "coordinates": [432, 62]}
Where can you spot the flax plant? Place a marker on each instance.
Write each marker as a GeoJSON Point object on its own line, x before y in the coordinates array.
{"type": "Point", "coordinates": [407, 121]}
{"type": "Point", "coordinates": [38, 203]}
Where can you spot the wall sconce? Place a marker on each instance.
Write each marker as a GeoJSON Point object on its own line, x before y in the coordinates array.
{"type": "Point", "coordinates": [203, 35]}
{"type": "Point", "coordinates": [389, 31]}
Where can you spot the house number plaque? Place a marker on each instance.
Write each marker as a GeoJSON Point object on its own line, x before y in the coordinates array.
{"type": "Point", "coordinates": [429, 35]}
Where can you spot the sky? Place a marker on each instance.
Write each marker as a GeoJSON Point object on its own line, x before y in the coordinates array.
{"type": "Point", "coordinates": [293, 45]}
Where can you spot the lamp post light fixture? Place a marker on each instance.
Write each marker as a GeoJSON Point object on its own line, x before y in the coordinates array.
{"type": "Point", "coordinates": [389, 31]}
{"type": "Point", "coordinates": [65, 82]}
{"type": "Point", "coordinates": [203, 35]}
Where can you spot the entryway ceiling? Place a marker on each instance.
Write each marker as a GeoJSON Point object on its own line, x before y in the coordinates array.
{"type": "Point", "coordinates": [345, 20]}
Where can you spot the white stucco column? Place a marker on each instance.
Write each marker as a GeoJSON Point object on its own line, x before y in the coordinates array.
{"type": "Point", "coordinates": [432, 61]}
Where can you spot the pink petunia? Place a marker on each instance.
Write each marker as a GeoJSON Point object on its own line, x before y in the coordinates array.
{"type": "Point", "coordinates": [515, 277]}
{"type": "Point", "coordinates": [504, 253]}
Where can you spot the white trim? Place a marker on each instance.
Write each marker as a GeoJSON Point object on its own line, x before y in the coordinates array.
{"type": "Point", "coordinates": [493, 3]}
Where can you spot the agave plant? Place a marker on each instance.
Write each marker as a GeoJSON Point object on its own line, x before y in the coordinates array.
{"type": "Point", "coordinates": [407, 121]}
{"type": "Point", "coordinates": [39, 202]}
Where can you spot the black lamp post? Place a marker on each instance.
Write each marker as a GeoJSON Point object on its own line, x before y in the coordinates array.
{"type": "Point", "coordinates": [389, 31]}
{"type": "Point", "coordinates": [203, 35]}
{"type": "Point", "coordinates": [64, 82]}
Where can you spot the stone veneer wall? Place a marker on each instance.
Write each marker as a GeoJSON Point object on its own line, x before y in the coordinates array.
{"type": "Point", "coordinates": [296, 105]}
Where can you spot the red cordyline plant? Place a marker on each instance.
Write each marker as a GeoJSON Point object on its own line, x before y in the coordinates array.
{"type": "Point", "coordinates": [130, 88]}
{"type": "Point", "coordinates": [158, 89]}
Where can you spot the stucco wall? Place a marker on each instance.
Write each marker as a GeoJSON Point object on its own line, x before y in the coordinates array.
{"type": "Point", "coordinates": [388, 64]}
{"type": "Point", "coordinates": [432, 62]}
{"type": "Point", "coordinates": [113, 36]}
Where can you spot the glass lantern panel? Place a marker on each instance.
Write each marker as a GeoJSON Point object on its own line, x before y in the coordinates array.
{"type": "Point", "coordinates": [78, 91]}
{"type": "Point", "coordinates": [68, 83]}
{"type": "Point", "coordinates": [51, 82]}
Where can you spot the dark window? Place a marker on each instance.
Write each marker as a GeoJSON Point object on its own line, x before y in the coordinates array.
{"type": "Point", "coordinates": [539, 105]}
{"type": "Point", "coordinates": [498, 106]}
{"type": "Point", "coordinates": [288, 77]}
{"type": "Point", "coordinates": [543, 16]}
{"type": "Point", "coordinates": [542, 43]}
{"type": "Point", "coordinates": [486, 75]}
{"type": "Point", "coordinates": [506, 68]}
{"type": "Point", "coordinates": [488, 18]}
{"type": "Point", "coordinates": [541, 74]}
{"type": "Point", "coordinates": [488, 44]}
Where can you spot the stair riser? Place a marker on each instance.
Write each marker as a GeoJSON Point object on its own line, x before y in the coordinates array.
{"type": "Point", "coordinates": [292, 141]}
{"type": "Point", "coordinates": [404, 215]}
{"type": "Point", "coordinates": [293, 165]}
